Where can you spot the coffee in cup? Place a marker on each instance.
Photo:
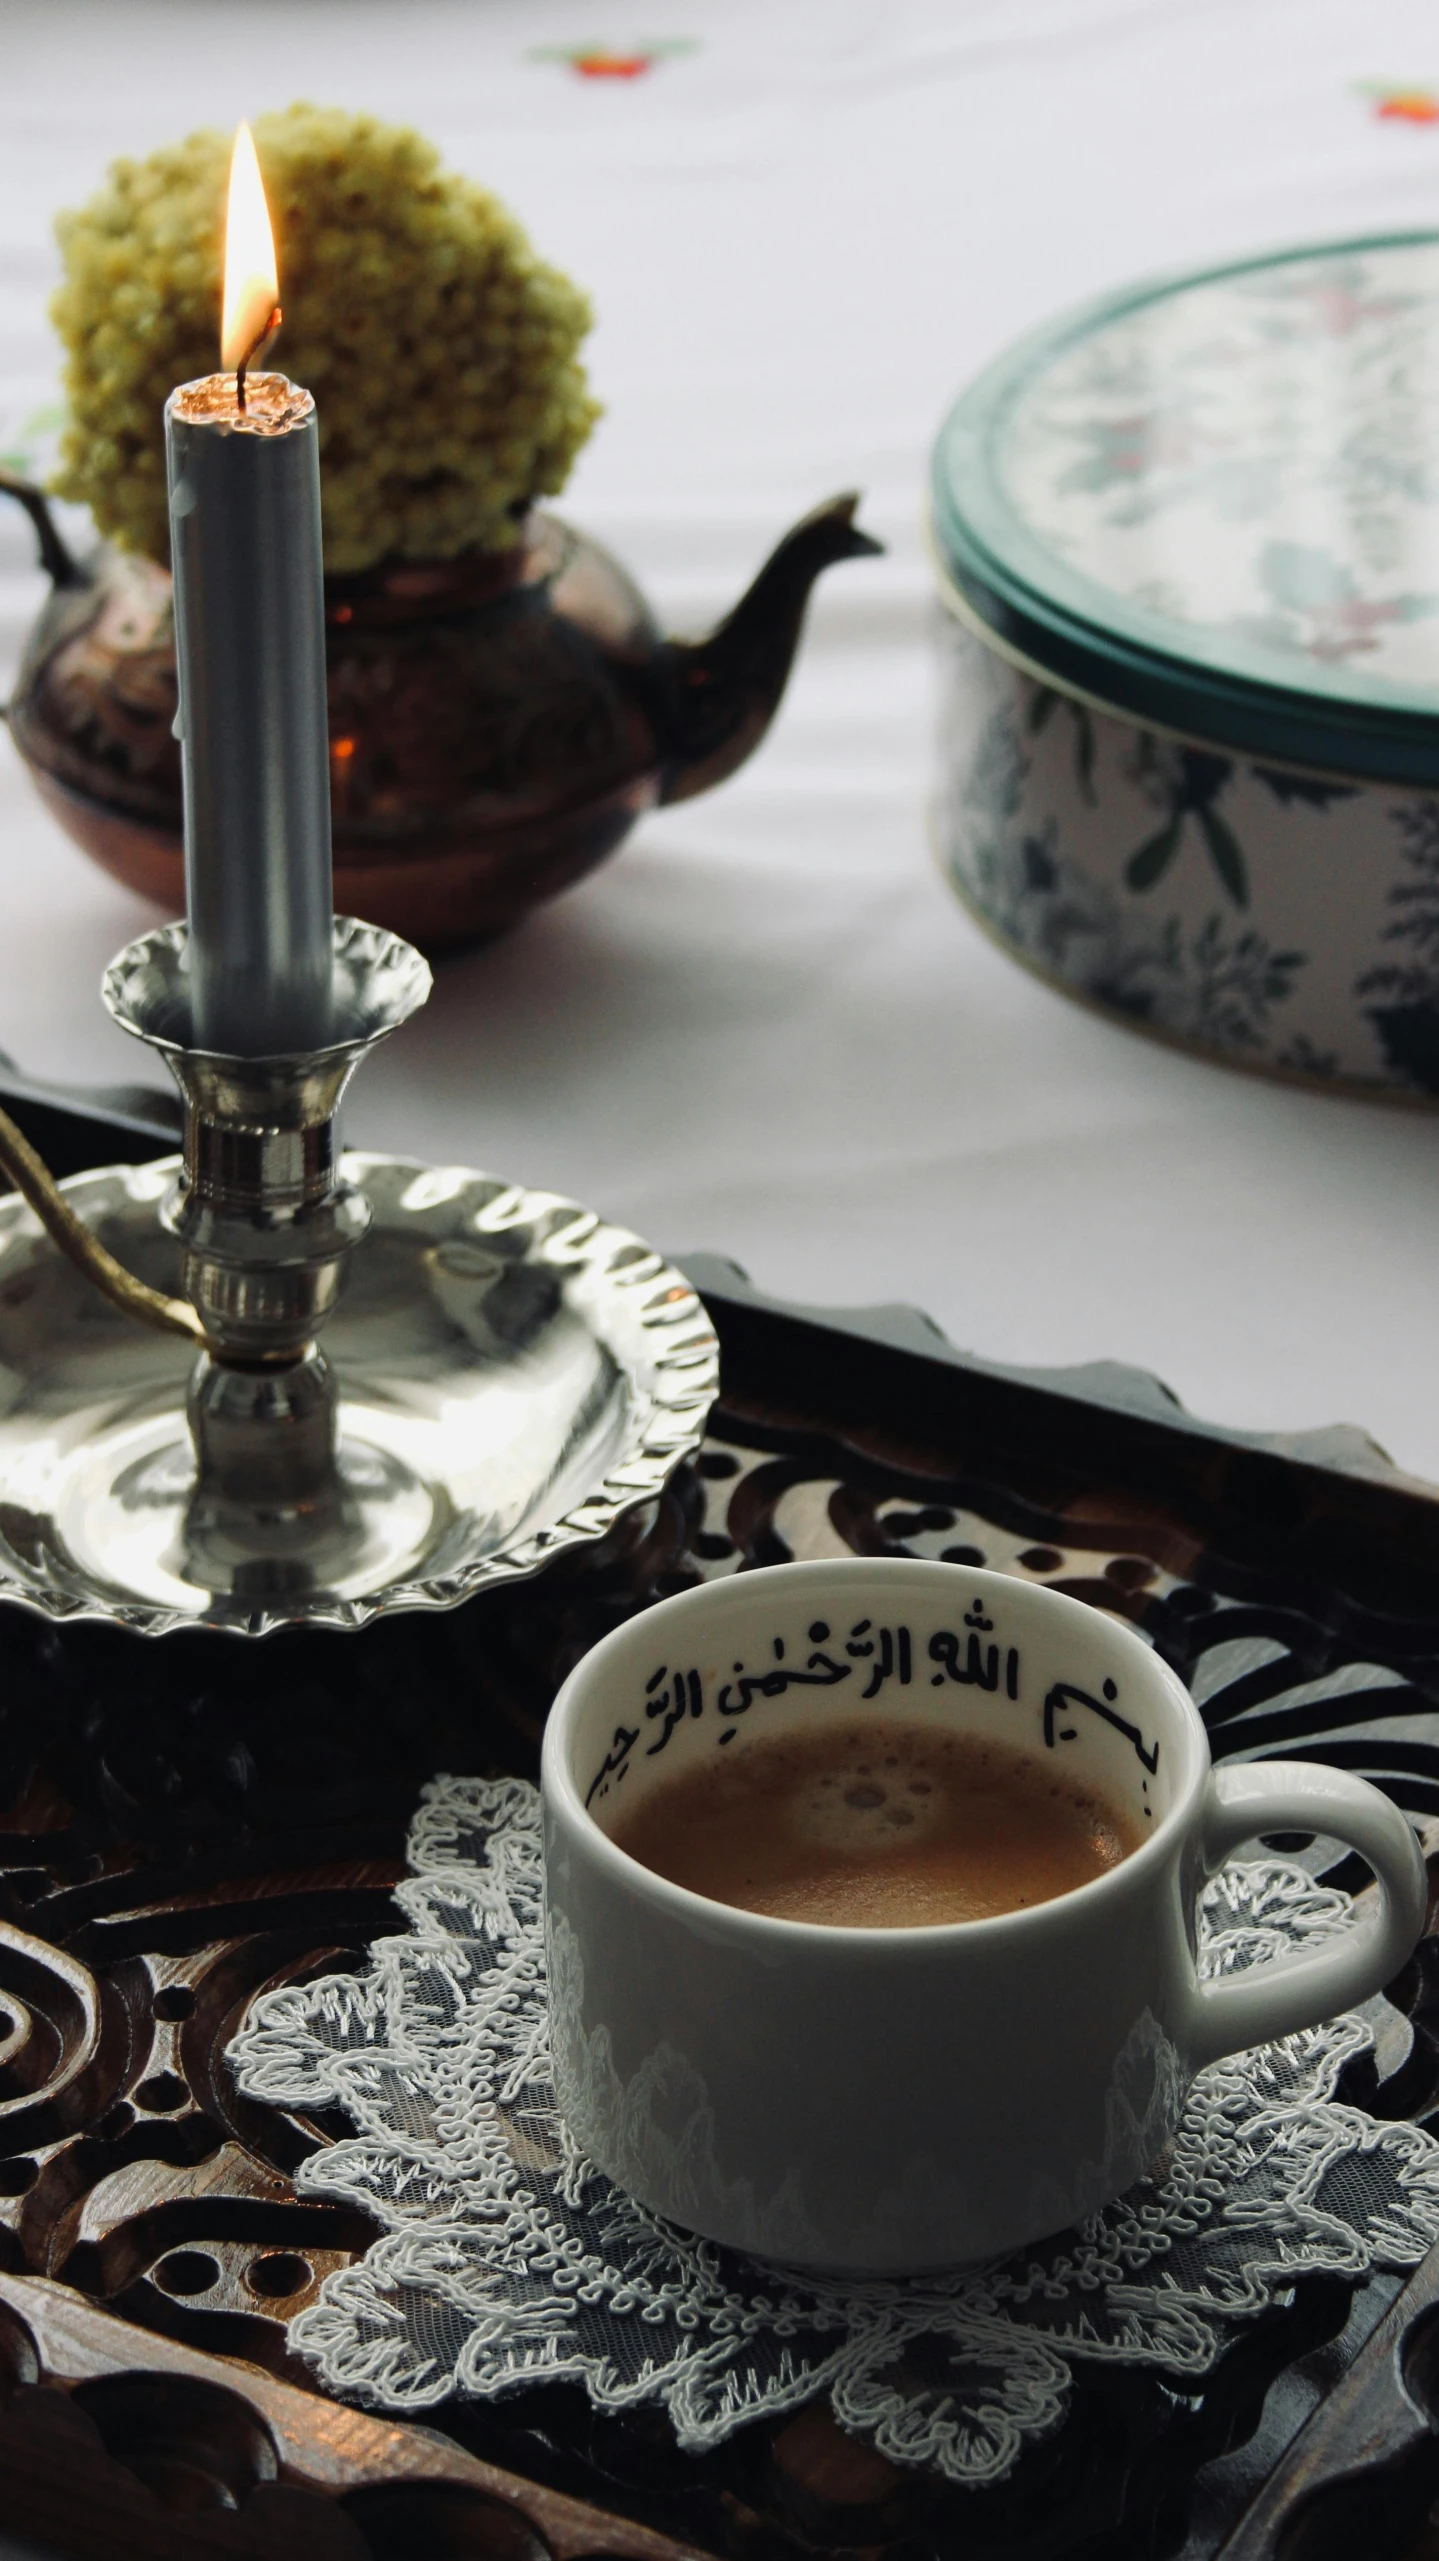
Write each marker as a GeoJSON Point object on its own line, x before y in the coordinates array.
{"type": "Point", "coordinates": [880, 1826]}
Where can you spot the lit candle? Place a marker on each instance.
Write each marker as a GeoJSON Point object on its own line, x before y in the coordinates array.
{"type": "Point", "coordinates": [242, 453]}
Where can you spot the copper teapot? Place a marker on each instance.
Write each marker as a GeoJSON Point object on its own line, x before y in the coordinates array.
{"type": "Point", "coordinates": [497, 722]}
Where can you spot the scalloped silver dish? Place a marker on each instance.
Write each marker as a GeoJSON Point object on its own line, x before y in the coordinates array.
{"type": "Point", "coordinates": [515, 1376]}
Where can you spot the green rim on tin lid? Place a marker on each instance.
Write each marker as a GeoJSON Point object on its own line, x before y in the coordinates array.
{"type": "Point", "coordinates": [1212, 503]}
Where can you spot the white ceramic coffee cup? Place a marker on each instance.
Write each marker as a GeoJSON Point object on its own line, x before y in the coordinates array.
{"type": "Point", "coordinates": [895, 2100]}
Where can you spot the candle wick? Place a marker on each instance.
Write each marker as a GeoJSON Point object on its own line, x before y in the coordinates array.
{"type": "Point", "coordinates": [256, 348]}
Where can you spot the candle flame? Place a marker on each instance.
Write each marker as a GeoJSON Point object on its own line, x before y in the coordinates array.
{"type": "Point", "coordinates": [252, 290]}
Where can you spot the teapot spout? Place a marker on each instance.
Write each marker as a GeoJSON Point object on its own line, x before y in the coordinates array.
{"type": "Point", "coordinates": [717, 697]}
{"type": "Point", "coordinates": [56, 558]}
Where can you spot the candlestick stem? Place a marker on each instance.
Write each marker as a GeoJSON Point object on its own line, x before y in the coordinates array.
{"type": "Point", "coordinates": [265, 1220]}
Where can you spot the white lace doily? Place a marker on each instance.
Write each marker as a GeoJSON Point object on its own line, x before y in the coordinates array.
{"type": "Point", "coordinates": [507, 2260]}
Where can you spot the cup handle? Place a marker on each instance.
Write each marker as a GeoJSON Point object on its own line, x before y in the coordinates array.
{"type": "Point", "coordinates": [1288, 1993]}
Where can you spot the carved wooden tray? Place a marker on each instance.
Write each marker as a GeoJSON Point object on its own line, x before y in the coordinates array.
{"type": "Point", "coordinates": [176, 1834]}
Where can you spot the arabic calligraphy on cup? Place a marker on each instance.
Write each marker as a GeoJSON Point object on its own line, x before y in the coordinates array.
{"type": "Point", "coordinates": [875, 1658]}
{"type": "Point", "coordinates": [1062, 1700]}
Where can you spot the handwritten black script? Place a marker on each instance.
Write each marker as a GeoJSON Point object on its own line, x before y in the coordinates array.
{"type": "Point", "coordinates": [881, 1656]}
{"type": "Point", "coordinates": [1067, 1695]}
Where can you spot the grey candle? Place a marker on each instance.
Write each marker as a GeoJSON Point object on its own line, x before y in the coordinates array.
{"type": "Point", "coordinates": [243, 463]}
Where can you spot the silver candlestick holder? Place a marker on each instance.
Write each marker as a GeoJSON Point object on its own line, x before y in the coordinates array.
{"type": "Point", "coordinates": [504, 1375]}
{"type": "Point", "coordinates": [265, 1220]}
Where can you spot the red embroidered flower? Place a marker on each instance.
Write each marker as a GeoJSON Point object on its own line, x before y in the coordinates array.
{"type": "Point", "coordinates": [1406, 106]}
{"type": "Point", "coordinates": [608, 62]}
{"type": "Point", "coordinates": [600, 65]}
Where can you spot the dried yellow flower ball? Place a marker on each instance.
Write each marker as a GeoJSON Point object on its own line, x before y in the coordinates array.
{"type": "Point", "coordinates": [442, 354]}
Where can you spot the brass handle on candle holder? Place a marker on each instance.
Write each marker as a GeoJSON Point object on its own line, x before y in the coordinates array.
{"type": "Point", "coordinates": [34, 1181]}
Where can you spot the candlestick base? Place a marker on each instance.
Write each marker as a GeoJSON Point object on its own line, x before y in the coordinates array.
{"type": "Point", "coordinates": [504, 1376]}
{"type": "Point", "coordinates": [510, 1378]}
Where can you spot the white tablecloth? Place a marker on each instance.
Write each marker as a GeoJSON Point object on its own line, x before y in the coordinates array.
{"type": "Point", "coordinates": [766, 1027]}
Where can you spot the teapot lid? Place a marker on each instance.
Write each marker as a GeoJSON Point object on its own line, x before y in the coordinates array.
{"type": "Point", "coordinates": [1212, 501]}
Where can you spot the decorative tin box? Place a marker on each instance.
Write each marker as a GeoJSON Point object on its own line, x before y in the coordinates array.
{"type": "Point", "coordinates": [1188, 546]}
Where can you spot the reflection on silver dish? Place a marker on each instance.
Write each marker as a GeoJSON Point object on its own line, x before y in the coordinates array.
{"type": "Point", "coordinates": [514, 1375]}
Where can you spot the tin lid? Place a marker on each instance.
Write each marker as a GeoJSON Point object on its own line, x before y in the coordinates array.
{"type": "Point", "coordinates": [1212, 501]}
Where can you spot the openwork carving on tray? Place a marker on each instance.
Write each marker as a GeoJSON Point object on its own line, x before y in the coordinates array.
{"type": "Point", "coordinates": [175, 1836]}
{"type": "Point", "coordinates": [186, 2457]}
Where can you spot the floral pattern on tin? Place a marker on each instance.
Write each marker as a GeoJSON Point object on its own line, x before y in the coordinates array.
{"type": "Point", "coordinates": [1407, 1016]}
{"type": "Point", "coordinates": [1197, 971]}
{"type": "Point", "coordinates": [1252, 456]}
{"type": "Point", "coordinates": [1185, 784]}
{"type": "Point", "coordinates": [1082, 841]}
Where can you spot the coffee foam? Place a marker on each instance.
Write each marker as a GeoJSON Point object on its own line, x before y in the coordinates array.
{"type": "Point", "coordinates": [875, 1826]}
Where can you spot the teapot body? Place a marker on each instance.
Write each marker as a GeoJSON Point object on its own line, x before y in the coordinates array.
{"type": "Point", "coordinates": [497, 721]}
{"type": "Point", "coordinates": [493, 728]}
